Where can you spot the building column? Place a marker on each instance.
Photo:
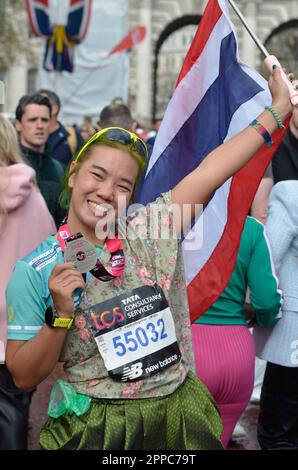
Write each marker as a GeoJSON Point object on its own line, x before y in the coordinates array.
{"type": "Point", "coordinates": [144, 65]}
{"type": "Point", "coordinates": [16, 84]}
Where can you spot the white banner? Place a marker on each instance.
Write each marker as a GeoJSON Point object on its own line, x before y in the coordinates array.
{"type": "Point", "coordinates": [96, 79]}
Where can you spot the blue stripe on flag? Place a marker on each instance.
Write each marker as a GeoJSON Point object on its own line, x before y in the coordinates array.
{"type": "Point", "coordinates": [197, 137]}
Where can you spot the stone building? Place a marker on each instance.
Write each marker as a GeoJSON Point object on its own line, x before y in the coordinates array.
{"type": "Point", "coordinates": [274, 22]}
{"type": "Point", "coordinates": [155, 63]}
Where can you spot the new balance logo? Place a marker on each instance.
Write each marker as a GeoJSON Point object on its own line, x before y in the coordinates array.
{"type": "Point", "coordinates": [132, 372]}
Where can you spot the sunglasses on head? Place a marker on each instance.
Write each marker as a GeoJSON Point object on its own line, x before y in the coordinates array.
{"type": "Point", "coordinates": [117, 134]}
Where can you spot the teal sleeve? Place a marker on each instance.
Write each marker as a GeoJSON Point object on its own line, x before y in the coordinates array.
{"type": "Point", "coordinates": [265, 296]}
{"type": "Point", "coordinates": [26, 302]}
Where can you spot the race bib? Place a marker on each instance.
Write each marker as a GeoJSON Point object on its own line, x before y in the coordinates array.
{"type": "Point", "coordinates": [135, 333]}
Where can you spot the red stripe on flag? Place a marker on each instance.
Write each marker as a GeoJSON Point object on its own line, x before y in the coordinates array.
{"type": "Point", "coordinates": [74, 2]}
{"type": "Point", "coordinates": [215, 274]}
{"type": "Point", "coordinates": [89, 7]}
{"type": "Point", "coordinates": [211, 16]}
{"type": "Point", "coordinates": [31, 22]}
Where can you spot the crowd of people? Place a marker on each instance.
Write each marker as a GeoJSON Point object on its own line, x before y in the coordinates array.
{"type": "Point", "coordinates": [73, 293]}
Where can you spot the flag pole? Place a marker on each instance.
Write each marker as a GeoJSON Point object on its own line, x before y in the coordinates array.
{"type": "Point", "coordinates": [269, 59]}
{"type": "Point", "coordinates": [249, 30]}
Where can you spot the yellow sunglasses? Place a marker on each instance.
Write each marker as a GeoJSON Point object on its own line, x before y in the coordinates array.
{"type": "Point", "coordinates": [118, 134]}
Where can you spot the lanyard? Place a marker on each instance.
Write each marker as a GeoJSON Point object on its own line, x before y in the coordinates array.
{"type": "Point", "coordinates": [114, 245]}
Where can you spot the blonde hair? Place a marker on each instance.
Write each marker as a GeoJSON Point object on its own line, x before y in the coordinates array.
{"type": "Point", "coordinates": [9, 147]}
{"type": "Point", "coordinates": [9, 154]}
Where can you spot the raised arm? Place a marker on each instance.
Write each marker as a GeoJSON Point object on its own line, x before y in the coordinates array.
{"type": "Point", "coordinates": [230, 157]}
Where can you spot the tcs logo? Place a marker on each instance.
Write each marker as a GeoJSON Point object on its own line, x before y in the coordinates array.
{"type": "Point", "coordinates": [107, 318]}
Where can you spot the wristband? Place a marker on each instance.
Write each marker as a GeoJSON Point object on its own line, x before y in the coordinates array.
{"type": "Point", "coordinates": [53, 319]}
{"type": "Point", "coordinates": [262, 131]}
{"type": "Point", "coordinates": [62, 322]}
{"type": "Point", "coordinates": [276, 116]}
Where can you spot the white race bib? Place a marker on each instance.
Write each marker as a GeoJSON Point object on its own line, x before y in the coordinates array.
{"type": "Point", "coordinates": [135, 333]}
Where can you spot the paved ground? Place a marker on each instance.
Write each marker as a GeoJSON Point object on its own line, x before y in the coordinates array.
{"type": "Point", "coordinates": [38, 414]}
{"type": "Point", "coordinates": [249, 423]}
{"type": "Point", "coordinates": [38, 409]}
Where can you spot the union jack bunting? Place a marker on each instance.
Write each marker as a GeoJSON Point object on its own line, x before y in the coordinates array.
{"type": "Point", "coordinates": [61, 38]}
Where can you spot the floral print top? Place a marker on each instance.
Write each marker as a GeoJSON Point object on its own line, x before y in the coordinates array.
{"type": "Point", "coordinates": [152, 256]}
{"type": "Point", "coordinates": [149, 260]}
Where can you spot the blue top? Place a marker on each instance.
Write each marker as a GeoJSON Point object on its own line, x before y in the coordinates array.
{"type": "Point", "coordinates": [280, 343]}
{"type": "Point", "coordinates": [60, 147]}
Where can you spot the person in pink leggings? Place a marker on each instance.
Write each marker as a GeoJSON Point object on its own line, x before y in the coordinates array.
{"type": "Point", "coordinates": [223, 346]}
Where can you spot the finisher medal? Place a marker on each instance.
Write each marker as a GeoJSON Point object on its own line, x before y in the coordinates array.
{"type": "Point", "coordinates": [80, 252]}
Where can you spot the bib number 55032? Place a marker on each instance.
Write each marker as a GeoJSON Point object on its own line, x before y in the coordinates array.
{"type": "Point", "coordinates": [142, 336]}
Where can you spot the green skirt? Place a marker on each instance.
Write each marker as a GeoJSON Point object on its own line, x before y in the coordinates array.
{"type": "Point", "coordinates": [185, 420]}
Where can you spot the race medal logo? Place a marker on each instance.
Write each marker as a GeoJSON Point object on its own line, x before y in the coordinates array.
{"type": "Point", "coordinates": [135, 334]}
{"type": "Point", "coordinates": [81, 253]}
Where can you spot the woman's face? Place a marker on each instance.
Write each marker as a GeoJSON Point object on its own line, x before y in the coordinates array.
{"type": "Point", "coordinates": [104, 183]}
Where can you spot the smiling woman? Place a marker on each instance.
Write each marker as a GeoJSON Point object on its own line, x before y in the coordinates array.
{"type": "Point", "coordinates": [129, 369]}
{"type": "Point", "coordinates": [116, 138]}
{"type": "Point", "coordinates": [21, 206]}
{"type": "Point", "coordinates": [106, 175]}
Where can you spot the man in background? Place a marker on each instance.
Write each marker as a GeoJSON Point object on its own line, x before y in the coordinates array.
{"type": "Point", "coordinates": [64, 141]}
{"type": "Point", "coordinates": [33, 115]}
{"type": "Point", "coordinates": [116, 115]}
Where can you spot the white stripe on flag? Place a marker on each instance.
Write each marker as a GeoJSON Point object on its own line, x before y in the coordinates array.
{"type": "Point", "coordinates": [190, 90]}
{"type": "Point", "coordinates": [215, 214]}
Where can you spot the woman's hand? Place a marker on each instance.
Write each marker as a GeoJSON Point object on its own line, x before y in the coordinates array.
{"type": "Point", "coordinates": [280, 94]}
{"type": "Point", "coordinates": [62, 283]}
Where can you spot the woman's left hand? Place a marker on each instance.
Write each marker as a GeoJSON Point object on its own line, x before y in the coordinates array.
{"type": "Point", "coordinates": [280, 94]}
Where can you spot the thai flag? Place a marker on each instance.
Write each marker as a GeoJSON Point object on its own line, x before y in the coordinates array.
{"type": "Point", "coordinates": [215, 98]}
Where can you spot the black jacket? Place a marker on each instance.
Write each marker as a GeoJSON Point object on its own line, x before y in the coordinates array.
{"type": "Point", "coordinates": [49, 176]}
{"type": "Point", "coordinates": [285, 161]}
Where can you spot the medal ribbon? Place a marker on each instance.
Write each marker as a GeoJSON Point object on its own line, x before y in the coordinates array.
{"type": "Point", "coordinates": [114, 245]}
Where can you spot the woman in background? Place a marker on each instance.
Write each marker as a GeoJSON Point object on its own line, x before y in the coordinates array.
{"type": "Point", "coordinates": [224, 347]}
{"type": "Point", "coordinates": [278, 420]}
{"type": "Point", "coordinates": [24, 222]}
